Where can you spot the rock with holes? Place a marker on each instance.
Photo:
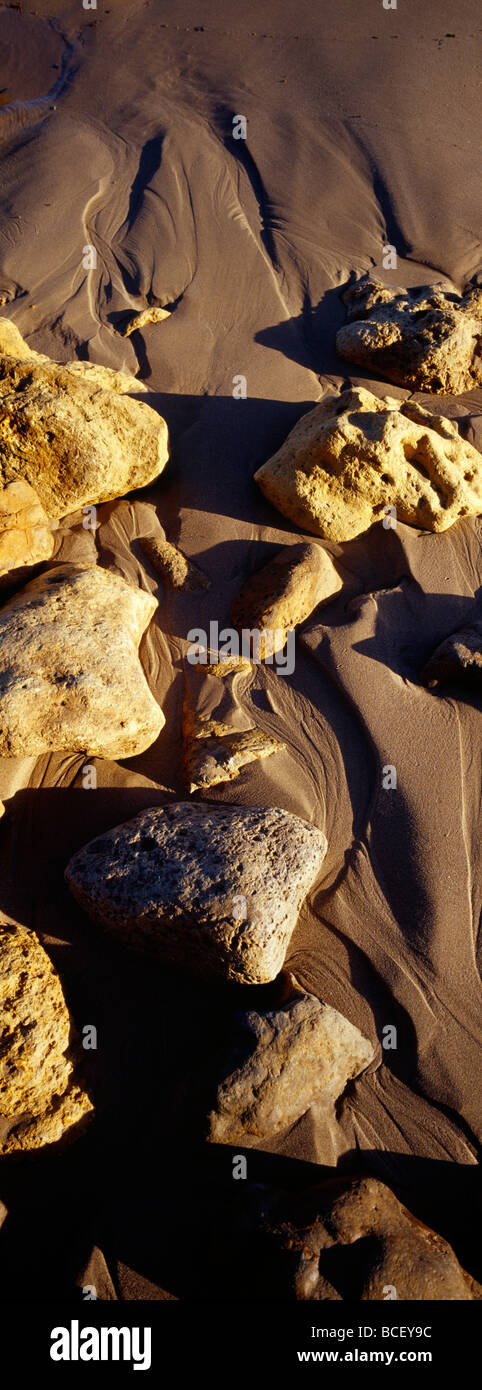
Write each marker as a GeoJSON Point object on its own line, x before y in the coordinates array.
{"type": "Point", "coordinates": [216, 889]}
{"type": "Point", "coordinates": [26, 537]}
{"type": "Point", "coordinates": [426, 339]}
{"type": "Point", "coordinates": [70, 675]}
{"type": "Point", "coordinates": [72, 432]}
{"type": "Point", "coordinates": [355, 455]}
{"type": "Point", "coordinates": [40, 1100]}
{"type": "Point", "coordinates": [353, 1240]}
{"type": "Point", "coordinates": [458, 658]}
{"type": "Point", "coordinates": [284, 593]}
{"type": "Point", "coordinates": [280, 1062]}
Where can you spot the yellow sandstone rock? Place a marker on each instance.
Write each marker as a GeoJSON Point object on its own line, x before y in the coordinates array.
{"type": "Point", "coordinates": [426, 339]}
{"type": "Point", "coordinates": [37, 1056]}
{"type": "Point", "coordinates": [151, 315]}
{"type": "Point", "coordinates": [355, 454]}
{"type": "Point", "coordinates": [215, 752]}
{"type": "Point", "coordinates": [283, 593]}
{"type": "Point", "coordinates": [73, 432]}
{"type": "Point", "coordinates": [25, 535]}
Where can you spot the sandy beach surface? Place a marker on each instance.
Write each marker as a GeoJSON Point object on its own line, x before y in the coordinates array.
{"type": "Point", "coordinates": [117, 133]}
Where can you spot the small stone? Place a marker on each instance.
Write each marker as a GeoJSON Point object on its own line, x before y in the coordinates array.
{"type": "Point", "coordinates": [70, 675]}
{"type": "Point", "coordinates": [284, 593]}
{"type": "Point", "coordinates": [426, 339]}
{"type": "Point", "coordinates": [25, 535]}
{"type": "Point", "coordinates": [355, 455]}
{"type": "Point", "coordinates": [95, 1279]}
{"type": "Point", "coordinates": [279, 1064]}
{"type": "Point", "coordinates": [214, 752]}
{"type": "Point", "coordinates": [37, 1092]}
{"type": "Point", "coordinates": [176, 571]}
{"type": "Point", "coordinates": [216, 889]}
{"type": "Point", "coordinates": [152, 315]}
{"type": "Point", "coordinates": [352, 1240]}
{"type": "Point", "coordinates": [71, 432]}
{"type": "Point", "coordinates": [458, 658]}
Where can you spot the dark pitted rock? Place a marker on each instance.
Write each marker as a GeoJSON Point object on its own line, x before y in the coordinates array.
{"type": "Point", "coordinates": [214, 888]}
{"type": "Point", "coordinates": [353, 1240]}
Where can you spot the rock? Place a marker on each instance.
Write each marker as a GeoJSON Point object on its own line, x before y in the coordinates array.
{"type": "Point", "coordinates": [70, 676]}
{"type": "Point", "coordinates": [151, 315]}
{"type": "Point", "coordinates": [76, 439]}
{"type": "Point", "coordinates": [285, 592]}
{"type": "Point", "coordinates": [426, 339]}
{"type": "Point", "coordinates": [283, 1061]}
{"type": "Point", "coordinates": [353, 1240]}
{"type": "Point", "coordinates": [95, 1279]}
{"type": "Point", "coordinates": [13, 345]}
{"type": "Point", "coordinates": [214, 888]}
{"type": "Point", "coordinates": [176, 571]}
{"type": "Point", "coordinates": [37, 1092]}
{"type": "Point", "coordinates": [354, 455]}
{"type": "Point", "coordinates": [459, 658]}
{"type": "Point", "coordinates": [3, 1214]}
{"type": "Point", "coordinates": [25, 534]}
{"type": "Point", "coordinates": [214, 752]}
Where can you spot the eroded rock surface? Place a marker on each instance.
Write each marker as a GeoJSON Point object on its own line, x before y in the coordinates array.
{"type": "Point", "coordinates": [354, 455]}
{"type": "Point", "coordinates": [215, 889]}
{"type": "Point", "coordinates": [285, 592]}
{"type": "Point", "coordinates": [38, 1094]}
{"type": "Point", "coordinates": [426, 339]}
{"type": "Point", "coordinates": [176, 571]}
{"type": "Point", "coordinates": [214, 752]}
{"type": "Point", "coordinates": [70, 675]}
{"type": "Point", "coordinates": [72, 431]}
{"type": "Point", "coordinates": [353, 1241]}
{"type": "Point", "coordinates": [280, 1062]}
{"type": "Point", "coordinates": [25, 535]}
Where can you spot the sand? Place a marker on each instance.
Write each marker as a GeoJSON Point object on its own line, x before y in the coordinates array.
{"type": "Point", "coordinates": [357, 136]}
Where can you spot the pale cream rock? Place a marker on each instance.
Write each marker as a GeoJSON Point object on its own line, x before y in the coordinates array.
{"type": "Point", "coordinates": [70, 675]}
{"type": "Point", "coordinates": [216, 889]}
{"type": "Point", "coordinates": [25, 535]}
{"type": "Point", "coordinates": [426, 339]}
{"type": "Point", "coordinates": [281, 1062]}
{"type": "Point", "coordinates": [284, 593]}
{"type": "Point", "coordinates": [72, 431]}
{"type": "Point", "coordinates": [37, 1091]}
{"type": "Point", "coordinates": [214, 752]}
{"type": "Point", "coordinates": [354, 455]}
{"type": "Point", "coordinates": [150, 315]}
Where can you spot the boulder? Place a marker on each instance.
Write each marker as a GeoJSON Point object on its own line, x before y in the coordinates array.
{"type": "Point", "coordinates": [25, 534]}
{"type": "Point", "coordinates": [278, 1064]}
{"type": "Point", "coordinates": [458, 658]}
{"type": "Point", "coordinates": [70, 675]}
{"type": "Point", "coordinates": [356, 455]}
{"type": "Point", "coordinates": [72, 433]}
{"type": "Point", "coordinates": [284, 593]}
{"type": "Point", "coordinates": [352, 1240]}
{"type": "Point", "coordinates": [426, 339]}
{"type": "Point", "coordinates": [38, 1095]}
{"type": "Point", "coordinates": [216, 889]}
